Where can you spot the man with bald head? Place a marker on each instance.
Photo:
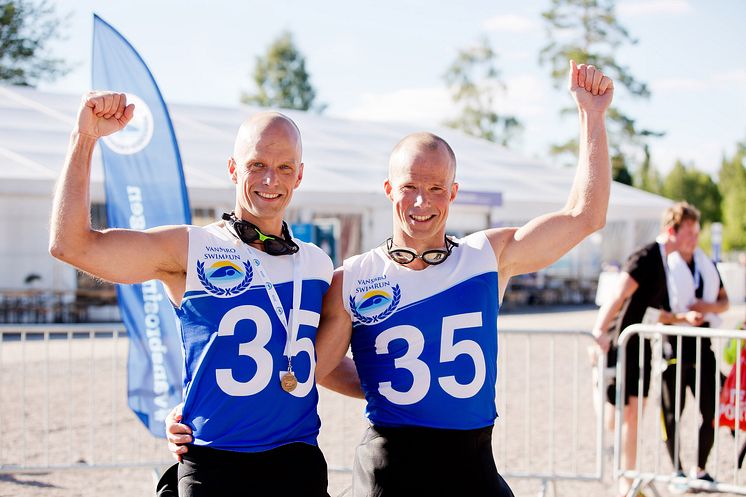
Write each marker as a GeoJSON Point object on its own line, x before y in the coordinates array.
{"type": "Point", "coordinates": [420, 313]}
{"type": "Point", "coordinates": [248, 297]}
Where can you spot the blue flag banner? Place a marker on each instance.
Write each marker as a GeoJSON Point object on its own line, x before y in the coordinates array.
{"type": "Point", "coordinates": [144, 185]}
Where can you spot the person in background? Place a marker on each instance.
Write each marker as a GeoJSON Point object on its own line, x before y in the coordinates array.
{"type": "Point", "coordinates": [642, 288]}
{"type": "Point", "coordinates": [695, 286]}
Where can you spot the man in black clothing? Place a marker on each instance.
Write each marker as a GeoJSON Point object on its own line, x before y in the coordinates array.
{"type": "Point", "coordinates": [642, 286]}
{"type": "Point", "coordinates": [695, 286]}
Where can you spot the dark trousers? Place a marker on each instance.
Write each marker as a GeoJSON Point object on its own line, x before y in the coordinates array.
{"type": "Point", "coordinates": [407, 462]}
{"type": "Point", "coordinates": [706, 401]}
{"type": "Point", "coordinates": [292, 470]}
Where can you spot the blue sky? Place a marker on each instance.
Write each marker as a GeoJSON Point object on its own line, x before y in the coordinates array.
{"type": "Point", "coordinates": [384, 60]}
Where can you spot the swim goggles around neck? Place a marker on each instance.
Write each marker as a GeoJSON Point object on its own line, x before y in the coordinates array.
{"type": "Point", "coordinates": [433, 257]}
{"type": "Point", "coordinates": [249, 233]}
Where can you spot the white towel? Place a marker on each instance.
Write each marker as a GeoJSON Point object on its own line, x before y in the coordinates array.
{"type": "Point", "coordinates": [682, 294]}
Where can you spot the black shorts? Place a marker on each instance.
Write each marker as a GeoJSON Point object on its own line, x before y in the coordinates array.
{"type": "Point", "coordinates": [410, 461]}
{"type": "Point", "coordinates": [292, 470]}
{"type": "Point", "coordinates": [632, 370]}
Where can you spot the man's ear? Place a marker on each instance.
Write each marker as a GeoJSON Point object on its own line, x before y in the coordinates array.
{"type": "Point", "coordinates": [454, 191]}
{"type": "Point", "coordinates": [388, 188]}
{"type": "Point", "coordinates": [232, 170]}
{"type": "Point", "coordinates": [300, 176]}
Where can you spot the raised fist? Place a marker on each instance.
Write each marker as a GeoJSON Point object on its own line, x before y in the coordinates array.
{"type": "Point", "coordinates": [103, 113]}
{"type": "Point", "coordinates": [591, 90]}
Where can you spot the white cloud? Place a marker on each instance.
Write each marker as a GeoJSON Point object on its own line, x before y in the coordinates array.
{"type": "Point", "coordinates": [413, 105]}
{"type": "Point", "coordinates": [722, 80]}
{"type": "Point", "coordinates": [735, 76]}
{"type": "Point", "coordinates": [510, 23]}
{"type": "Point", "coordinates": [652, 7]}
{"type": "Point", "coordinates": [678, 84]}
{"type": "Point", "coordinates": [525, 97]}
{"type": "Point", "coordinates": [704, 154]}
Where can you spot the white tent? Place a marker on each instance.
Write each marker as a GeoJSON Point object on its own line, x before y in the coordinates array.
{"type": "Point", "coordinates": [345, 165]}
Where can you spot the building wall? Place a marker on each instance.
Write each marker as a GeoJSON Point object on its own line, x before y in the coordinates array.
{"type": "Point", "coordinates": [24, 240]}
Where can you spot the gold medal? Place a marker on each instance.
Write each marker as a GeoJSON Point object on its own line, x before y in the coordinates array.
{"type": "Point", "coordinates": [288, 382]}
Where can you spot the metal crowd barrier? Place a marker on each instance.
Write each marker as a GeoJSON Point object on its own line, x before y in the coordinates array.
{"type": "Point", "coordinates": [63, 398]}
{"type": "Point", "coordinates": [63, 394]}
{"type": "Point", "coordinates": [547, 429]}
{"type": "Point", "coordinates": [651, 466]}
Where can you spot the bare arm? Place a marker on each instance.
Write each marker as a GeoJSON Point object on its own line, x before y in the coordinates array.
{"type": "Point", "coordinates": [118, 255]}
{"type": "Point", "coordinates": [333, 370]}
{"type": "Point", "coordinates": [344, 380]}
{"type": "Point", "coordinates": [626, 286]}
{"type": "Point", "coordinates": [721, 304]}
{"type": "Point", "coordinates": [335, 329]}
{"type": "Point", "coordinates": [545, 239]}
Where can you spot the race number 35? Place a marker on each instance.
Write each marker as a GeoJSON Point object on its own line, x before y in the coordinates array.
{"type": "Point", "coordinates": [449, 351]}
{"type": "Point", "coordinates": [256, 350]}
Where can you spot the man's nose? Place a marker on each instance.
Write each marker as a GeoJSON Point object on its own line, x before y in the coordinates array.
{"type": "Point", "coordinates": [420, 200]}
{"type": "Point", "coordinates": [269, 177]}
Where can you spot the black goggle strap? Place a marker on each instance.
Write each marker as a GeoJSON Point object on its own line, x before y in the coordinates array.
{"type": "Point", "coordinates": [272, 245]}
{"type": "Point", "coordinates": [405, 255]}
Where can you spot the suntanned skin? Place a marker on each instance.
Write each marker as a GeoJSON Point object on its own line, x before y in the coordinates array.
{"type": "Point", "coordinates": [266, 168]}
{"type": "Point", "coordinates": [421, 188]}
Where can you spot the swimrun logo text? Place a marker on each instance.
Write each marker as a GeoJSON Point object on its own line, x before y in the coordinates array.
{"type": "Point", "coordinates": [367, 284]}
{"type": "Point", "coordinates": [222, 253]}
{"type": "Point", "coordinates": [152, 297]}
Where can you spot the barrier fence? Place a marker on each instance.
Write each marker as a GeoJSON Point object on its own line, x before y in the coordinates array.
{"type": "Point", "coordinates": [653, 463]}
{"type": "Point", "coordinates": [63, 394]}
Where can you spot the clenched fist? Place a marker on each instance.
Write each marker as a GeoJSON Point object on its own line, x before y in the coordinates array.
{"type": "Point", "coordinates": [103, 113]}
{"type": "Point", "coordinates": [591, 90]}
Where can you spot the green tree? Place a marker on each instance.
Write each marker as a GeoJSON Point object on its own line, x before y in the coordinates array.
{"type": "Point", "coordinates": [732, 180]}
{"type": "Point", "coordinates": [619, 171]}
{"type": "Point", "coordinates": [589, 32]}
{"type": "Point", "coordinates": [281, 78]}
{"type": "Point", "coordinates": [474, 83]}
{"type": "Point", "coordinates": [26, 28]}
{"type": "Point", "coordinates": [648, 178]}
{"type": "Point", "coordinates": [696, 187]}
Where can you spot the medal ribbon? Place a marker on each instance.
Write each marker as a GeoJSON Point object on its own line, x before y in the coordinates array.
{"type": "Point", "coordinates": [289, 326]}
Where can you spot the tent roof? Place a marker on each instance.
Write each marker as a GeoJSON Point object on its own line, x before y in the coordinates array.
{"type": "Point", "coordinates": [342, 157]}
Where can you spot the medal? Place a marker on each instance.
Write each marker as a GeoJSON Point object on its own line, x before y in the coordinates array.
{"type": "Point", "coordinates": [288, 382]}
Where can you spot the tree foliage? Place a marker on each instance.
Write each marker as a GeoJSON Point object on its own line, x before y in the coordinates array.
{"type": "Point", "coordinates": [732, 179]}
{"type": "Point", "coordinates": [647, 177]}
{"type": "Point", "coordinates": [619, 171]}
{"type": "Point", "coordinates": [473, 80]}
{"type": "Point", "coordinates": [281, 78]}
{"type": "Point", "coordinates": [26, 28]}
{"type": "Point", "coordinates": [696, 187]}
{"type": "Point", "coordinates": [588, 32]}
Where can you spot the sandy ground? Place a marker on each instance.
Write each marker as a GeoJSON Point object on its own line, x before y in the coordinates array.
{"type": "Point", "coordinates": [64, 403]}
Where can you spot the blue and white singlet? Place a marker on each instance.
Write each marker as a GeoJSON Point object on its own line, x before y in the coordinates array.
{"type": "Point", "coordinates": [234, 343]}
{"type": "Point", "coordinates": [425, 342]}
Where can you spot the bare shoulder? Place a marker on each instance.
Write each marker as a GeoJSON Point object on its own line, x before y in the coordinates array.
{"type": "Point", "coordinates": [499, 238]}
{"type": "Point", "coordinates": [173, 240]}
{"type": "Point", "coordinates": [333, 298]}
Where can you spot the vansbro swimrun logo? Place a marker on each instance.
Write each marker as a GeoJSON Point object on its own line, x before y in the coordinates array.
{"type": "Point", "coordinates": [374, 300]}
{"type": "Point", "coordinates": [138, 132]}
{"type": "Point", "coordinates": [225, 278]}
